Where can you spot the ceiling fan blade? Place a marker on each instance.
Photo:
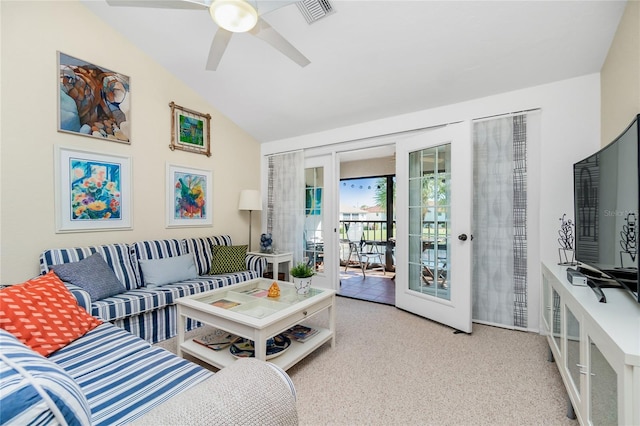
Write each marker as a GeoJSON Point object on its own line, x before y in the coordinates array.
{"type": "Point", "coordinates": [265, 32]}
{"type": "Point", "coordinates": [218, 46]}
{"type": "Point", "coordinates": [160, 4]}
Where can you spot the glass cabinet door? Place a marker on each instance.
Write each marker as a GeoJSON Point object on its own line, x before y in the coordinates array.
{"type": "Point", "coordinates": [574, 366]}
{"type": "Point", "coordinates": [546, 301]}
{"type": "Point", "coordinates": [556, 320]}
{"type": "Point", "coordinates": [603, 387]}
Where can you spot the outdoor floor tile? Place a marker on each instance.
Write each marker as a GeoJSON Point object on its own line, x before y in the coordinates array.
{"type": "Point", "coordinates": [374, 286]}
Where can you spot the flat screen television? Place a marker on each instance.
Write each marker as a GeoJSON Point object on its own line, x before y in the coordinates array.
{"type": "Point", "coordinates": [606, 212]}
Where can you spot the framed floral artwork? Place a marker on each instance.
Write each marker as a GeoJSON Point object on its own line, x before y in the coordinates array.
{"type": "Point", "coordinates": [190, 130]}
{"type": "Point", "coordinates": [93, 101]}
{"type": "Point", "coordinates": [93, 191]}
{"type": "Point", "coordinates": [189, 197]}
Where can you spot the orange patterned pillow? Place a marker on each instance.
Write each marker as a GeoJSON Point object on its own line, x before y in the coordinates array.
{"type": "Point", "coordinates": [43, 314]}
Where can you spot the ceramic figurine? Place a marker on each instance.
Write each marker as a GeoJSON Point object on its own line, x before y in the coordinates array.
{"type": "Point", "coordinates": [274, 290]}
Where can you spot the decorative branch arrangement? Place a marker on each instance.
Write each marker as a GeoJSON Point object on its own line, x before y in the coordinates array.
{"type": "Point", "coordinates": [629, 241]}
{"type": "Point", "coordinates": [566, 233]}
{"type": "Point", "coordinates": [566, 241]}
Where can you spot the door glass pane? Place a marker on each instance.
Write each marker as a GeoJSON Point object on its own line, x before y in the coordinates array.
{"type": "Point", "coordinates": [415, 251]}
{"type": "Point", "coordinates": [604, 389]}
{"type": "Point", "coordinates": [429, 215]}
{"type": "Point", "coordinates": [314, 209]}
{"type": "Point", "coordinates": [573, 349]}
{"type": "Point", "coordinates": [556, 319]}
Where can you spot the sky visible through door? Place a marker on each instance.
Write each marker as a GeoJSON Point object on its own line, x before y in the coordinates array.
{"type": "Point", "coordinates": [363, 209]}
{"type": "Point", "coordinates": [356, 193]}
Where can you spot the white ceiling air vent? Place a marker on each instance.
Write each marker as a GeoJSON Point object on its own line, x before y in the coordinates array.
{"type": "Point", "coordinates": [312, 10]}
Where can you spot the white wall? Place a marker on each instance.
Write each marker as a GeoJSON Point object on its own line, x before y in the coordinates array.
{"type": "Point", "coordinates": [367, 168]}
{"type": "Point", "coordinates": [620, 76]}
{"type": "Point", "coordinates": [569, 131]}
{"type": "Point", "coordinates": [31, 33]}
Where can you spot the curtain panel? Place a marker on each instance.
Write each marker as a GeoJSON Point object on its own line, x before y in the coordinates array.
{"type": "Point", "coordinates": [500, 221]}
{"type": "Point", "coordinates": [285, 203]}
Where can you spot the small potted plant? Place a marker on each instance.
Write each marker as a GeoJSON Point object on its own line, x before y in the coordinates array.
{"type": "Point", "coordinates": [302, 274]}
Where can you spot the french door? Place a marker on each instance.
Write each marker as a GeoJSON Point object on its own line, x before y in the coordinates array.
{"type": "Point", "coordinates": [320, 244]}
{"type": "Point", "coordinates": [433, 243]}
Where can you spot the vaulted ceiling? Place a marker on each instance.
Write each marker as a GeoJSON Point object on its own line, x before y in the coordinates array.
{"type": "Point", "coordinates": [373, 59]}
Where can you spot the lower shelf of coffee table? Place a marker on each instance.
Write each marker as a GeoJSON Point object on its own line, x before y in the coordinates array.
{"type": "Point", "coordinates": [287, 359]}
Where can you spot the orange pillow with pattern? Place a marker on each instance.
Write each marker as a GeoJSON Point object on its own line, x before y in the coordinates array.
{"type": "Point", "coordinates": [43, 314]}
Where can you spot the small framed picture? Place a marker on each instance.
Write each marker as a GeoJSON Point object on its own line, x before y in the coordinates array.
{"type": "Point", "coordinates": [190, 130]}
{"type": "Point", "coordinates": [93, 191]}
{"type": "Point", "coordinates": [93, 101]}
{"type": "Point", "coordinates": [189, 197]}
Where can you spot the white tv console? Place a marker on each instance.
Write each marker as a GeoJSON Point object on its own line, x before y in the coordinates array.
{"type": "Point", "coordinates": [596, 347]}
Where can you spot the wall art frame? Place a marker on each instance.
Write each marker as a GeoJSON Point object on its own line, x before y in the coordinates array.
{"type": "Point", "coordinates": [93, 101]}
{"type": "Point", "coordinates": [92, 191]}
{"type": "Point", "coordinates": [190, 130]}
{"type": "Point", "coordinates": [189, 197]}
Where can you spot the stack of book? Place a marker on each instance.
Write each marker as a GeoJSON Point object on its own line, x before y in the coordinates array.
{"type": "Point", "coordinates": [219, 339]}
{"type": "Point", "coordinates": [300, 333]}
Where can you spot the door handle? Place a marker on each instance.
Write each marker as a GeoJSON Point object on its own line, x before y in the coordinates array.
{"type": "Point", "coordinates": [462, 237]}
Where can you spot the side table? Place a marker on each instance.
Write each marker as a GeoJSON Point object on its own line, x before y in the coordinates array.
{"type": "Point", "coordinates": [275, 259]}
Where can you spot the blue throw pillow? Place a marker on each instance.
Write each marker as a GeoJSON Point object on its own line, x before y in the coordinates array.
{"type": "Point", "coordinates": [93, 275]}
{"type": "Point", "coordinates": [168, 270]}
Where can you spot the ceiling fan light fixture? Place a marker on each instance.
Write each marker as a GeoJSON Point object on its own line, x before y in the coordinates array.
{"type": "Point", "coordinates": [236, 16]}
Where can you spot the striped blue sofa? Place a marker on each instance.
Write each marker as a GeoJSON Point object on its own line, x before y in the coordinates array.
{"type": "Point", "coordinates": [110, 377]}
{"type": "Point", "coordinates": [150, 312]}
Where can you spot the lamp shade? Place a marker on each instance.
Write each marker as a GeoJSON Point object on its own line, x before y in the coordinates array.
{"type": "Point", "coordinates": [250, 200]}
{"type": "Point", "coordinates": [236, 16]}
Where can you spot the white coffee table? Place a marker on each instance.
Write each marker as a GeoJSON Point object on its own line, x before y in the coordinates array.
{"type": "Point", "coordinates": [256, 318]}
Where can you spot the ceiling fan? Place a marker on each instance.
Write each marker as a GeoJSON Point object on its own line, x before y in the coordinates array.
{"type": "Point", "coordinates": [231, 16]}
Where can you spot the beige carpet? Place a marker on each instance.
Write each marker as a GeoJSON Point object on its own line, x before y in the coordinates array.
{"type": "Point", "coordinates": [390, 367]}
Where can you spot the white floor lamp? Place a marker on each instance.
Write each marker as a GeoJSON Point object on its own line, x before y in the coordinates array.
{"type": "Point", "coordinates": [250, 200]}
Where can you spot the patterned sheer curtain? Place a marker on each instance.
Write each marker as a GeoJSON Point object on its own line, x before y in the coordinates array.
{"type": "Point", "coordinates": [285, 203]}
{"type": "Point", "coordinates": [500, 221]}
